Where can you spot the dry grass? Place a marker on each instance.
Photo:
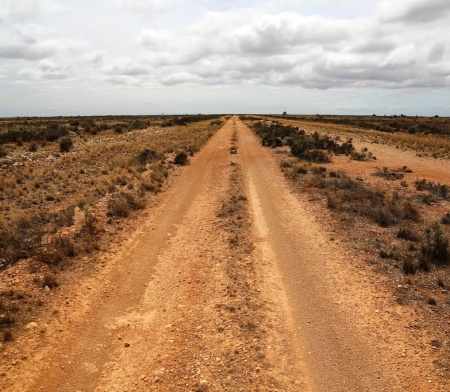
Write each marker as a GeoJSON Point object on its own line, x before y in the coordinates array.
{"type": "Point", "coordinates": [436, 145]}
{"type": "Point", "coordinates": [56, 206]}
{"type": "Point", "coordinates": [126, 165]}
{"type": "Point", "coordinates": [384, 229]}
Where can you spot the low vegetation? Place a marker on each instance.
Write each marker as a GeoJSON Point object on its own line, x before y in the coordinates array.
{"type": "Point", "coordinates": [66, 185]}
{"type": "Point", "coordinates": [312, 148]}
{"type": "Point", "coordinates": [388, 223]}
{"type": "Point", "coordinates": [426, 135]}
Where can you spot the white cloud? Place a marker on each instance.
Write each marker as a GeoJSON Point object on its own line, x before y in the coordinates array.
{"type": "Point", "coordinates": [154, 5]}
{"type": "Point", "coordinates": [23, 10]}
{"type": "Point", "coordinates": [45, 70]}
{"type": "Point", "coordinates": [245, 44]}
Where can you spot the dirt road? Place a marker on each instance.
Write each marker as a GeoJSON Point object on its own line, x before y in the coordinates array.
{"type": "Point", "coordinates": [228, 283]}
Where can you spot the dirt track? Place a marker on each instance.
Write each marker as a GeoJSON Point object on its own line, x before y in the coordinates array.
{"type": "Point", "coordinates": [252, 299]}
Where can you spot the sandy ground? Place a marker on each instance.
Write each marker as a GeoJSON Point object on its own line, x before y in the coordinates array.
{"type": "Point", "coordinates": [256, 298]}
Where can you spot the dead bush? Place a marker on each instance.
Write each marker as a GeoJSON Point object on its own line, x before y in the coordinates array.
{"type": "Point", "coordinates": [20, 238]}
{"type": "Point", "coordinates": [410, 266]}
{"type": "Point", "coordinates": [49, 281]}
{"type": "Point", "coordinates": [122, 203]}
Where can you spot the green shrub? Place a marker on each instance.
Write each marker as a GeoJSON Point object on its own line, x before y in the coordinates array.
{"type": "Point", "coordinates": [65, 144]}
{"type": "Point", "coordinates": [54, 131]}
{"type": "Point", "coordinates": [147, 156]}
{"type": "Point", "coordinates": [181, 159]}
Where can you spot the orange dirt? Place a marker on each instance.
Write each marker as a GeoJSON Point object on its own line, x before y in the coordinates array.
{"type": "Point", "coordinates": [257, 299]}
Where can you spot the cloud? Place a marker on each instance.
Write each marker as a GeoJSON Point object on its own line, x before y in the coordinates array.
{"type": "Point", "coordinates": [414, 11]}
{"type": "Point", "coordinates": [129, 69]}
{"type": "Point", "coordinates": [289, 48]}
{"type": "Point", "coordinates": [153, 5]}
{"type": "Point", "coordinates": [94, 58]}
{"type": "Point", "coordinates": [26, 52]}
{"type": "Point", "coordinates": [401, 45]}
{"type": "Point", "coordinates": [280, 33]}
{"type": "Point", "coordinates": [45, 70]}
{"type": "Point", "coordinates": [154, 39]}
{"type": "Point", "coordinates": [23, 10]}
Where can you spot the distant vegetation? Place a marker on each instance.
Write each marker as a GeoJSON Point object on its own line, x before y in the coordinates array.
{"type": "Point", "coordinates": [68, 183]}
{"type": "Point", "coordinates": [356, 199]}
{"type": "Point", "coordinates": [391, 124]}
{"type": "Point", "coordinates": [121, 157]}
{"type": "Point", "coordinates": [312, 148]}
{"type": "Point", "coordinates": [51, 129]}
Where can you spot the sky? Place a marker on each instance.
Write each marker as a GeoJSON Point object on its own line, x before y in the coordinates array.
{"type": "Point", "coordinates": [102, 57]}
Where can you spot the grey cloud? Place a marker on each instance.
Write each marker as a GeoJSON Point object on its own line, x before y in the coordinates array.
{"type": "Point", "coordinates": [29, 33]}
{"type": "Point", "coordinates": [374, 45]}
{"type": "Point", "coordinates": [25, 52]}
{"type": "Point", "coordinates": [414, 11]}
{"type": "Point", "coordinates": [310, 51]}
{"type": "Point", "coordinates": [93, 57]}
{"type": "Point", "coordinates": [281, 33]}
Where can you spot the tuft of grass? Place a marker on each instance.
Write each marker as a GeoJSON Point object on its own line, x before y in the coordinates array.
{"type": "Point", "coordinates": [387, 174]}
{"type": "Point", "coordinates": [122, 203]}
{"type": "Point", "coordinates": [19, 238]}
{"type": "Point", "coordinates": [49, 281]}
{"type": "Point", "coordinates": [32, 147]}
{"type": "Point", "coordinates": [445, 220]}
{"type": "Point", "coordinates": [3, 152]}
{"type": "Point", "coordinates": [438, 190]}
{"type": "Point", "coordinates": [7, 336]}
{"type": "Point", "coordinates": [347, 194]}
{"type": "Point", "coordinates": [410, 266]}
{"type": "Point", "coordinates": [407, 234]}
{"type": "Point", "coordinates": [435, 248]}
{"type": "Point", "coordinates": [147, 156]}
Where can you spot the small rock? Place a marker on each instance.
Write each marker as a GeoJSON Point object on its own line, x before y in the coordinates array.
{"type": "Point", "coordinates": [31, 325]}
{"type": "Point", "coordinates": [126, 344]}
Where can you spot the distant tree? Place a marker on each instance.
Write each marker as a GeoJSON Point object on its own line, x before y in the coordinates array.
{"type": "Point", "coordinates": [284, 113]}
